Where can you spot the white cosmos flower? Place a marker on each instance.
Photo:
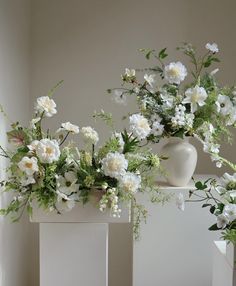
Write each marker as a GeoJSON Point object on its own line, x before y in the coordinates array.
{"type": "Point", "coordinates": [65, 203]}
{"type": "Point", "coordinates": [175, 72]}
{"type": "Point", "coordinates": [150, 79]}
{"type": "Point", "coordinates": [230, 212]}
{"type": "Point", "coordinates": [130, 72]}
{"type": "Point", "coordinates": [222, 221]}
{"type": "Point", "coordinates": [67, 126]}
{"type": "Point", "coordinates": [90, 135]}
{"type": "Point", "coordinates": [114, 165]}
{"type": "Point", "coordinates": [196, 96]}
{"type": "Point", "coordinates": [48, 151]}
{"type": "Point", "coordinates": [32, 146]}
{"type": "Point", "coordinates": [67, 184]}
{"type": "Point", "coordinates": [29, 165]}
{"type": "Point", "coordinates": [119, 97]}
{"type": "Point", "coordinates": [139, 126]}
{"type": "Point", "coordinates": [212, 47]}
{"type": "Point", "coordinates": [223, 104]}
{"type": "Point", "coordinates": [228, 182]}
{"type": "Point", "coordinates": [130, 183]}
{"type": "Point", "coordinates": [47, 105]}
{"type": "Point", "coordinates": [180, 203]}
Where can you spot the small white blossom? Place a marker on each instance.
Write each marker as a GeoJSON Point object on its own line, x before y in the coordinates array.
{"type": "Point", "coordinates": [222, 221]}
{"type": "Point", "coordinates": [114, 165]}
{"type": "Point", "coordinates": [175, 72]}
{"type": "Point", "coordinates": [130, 72]}
{"type": "Point", "coordinates": [48, 151]}
{"type": "Point", "coordinates": [212, 47]}
{"type": "Point", "coordinates": [130, 183]}
{"type": "Point", "coordinates": [47, 105]}
{"type": "Point", "coordinates": [230, 212]}
{"type": "Point", "coordinates": [224, 104]}
{"type": "Point", "coordinates": [32, 146]}
{"type": "Point", "coordinates": [157, 128]}
{"type": "Point", "coordinates": [180, 202]}
{"type": "Point", "coordinates": [150, 79]}
{"type": "Point", "coordinates": [67, 126]}
{"type": "Point", "coordinates": [34, 121]}
{"type": "Point", "coordinates": [139, 126]}
{"type": "Point", "coordinates": [179, 118]}
{"type": "Point", "coordinates": [119, 97]}
{"type": "Point", "coordinates": [90, 135]}
{"type": "Point", "coordinates": [29, 165]}
{"type": "Point", "coordinates": [196, 96]}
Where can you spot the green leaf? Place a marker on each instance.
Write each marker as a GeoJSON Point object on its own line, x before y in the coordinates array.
{"type": "Point", "coordinates": [212, 209]}
{"type": "Point", "coordinates": [206, 205]}
{"type": "Point", "coordinates": [162, 54]}
{"type": "Point", "coordinates": [213, 227]}
{"type": "Point", "coordinates": [17, 137]}
{"type": "Point", "coordinates": [200, 186]}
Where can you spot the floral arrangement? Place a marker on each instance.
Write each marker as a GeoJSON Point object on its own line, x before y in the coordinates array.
{"type": "Point", "coordinates": [51, 170]}
{"type": "Point", "coordinates": [175, 104]}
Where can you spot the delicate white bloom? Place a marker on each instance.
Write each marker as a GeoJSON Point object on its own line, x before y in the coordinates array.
{"type": "Point", "coordinates": [179, 118]}
{"type": "Point", "coordinates": [180, 202]}
{"type": "Point", "coordinates": [212, 47]}
{"type": "Point", "coordinates": [232, 117]}
{"type": "Point", "coordinates": [230, 212]}
{"type": "Point", "coordinates": [224, 104]}
{"type": "Point", "coordinates": [139, 126]}
{"type": "Point", "coordinates": [175, 72]}
{"type": "Point", "coordinates": [222, 221]}
{"type": "Point", "coordinates": [157, 128]}
{"type": "Point", "coordinates": [150, 79]}
{"type": "Point", "coordinates": [28, 165]}
{"type": "Point", "coordinates": [119, 137]}
{"type": "Point", "coordinates": [67, 184]}
{"type": "Point", "coordinates": [25, 181]}
{"type": "Point", "coordinates": [189, 118]}
{"type": "Point", "coordinates": [48, 151]}
{"type": "Point", "coordinates": [196, 96]}
{"type": "Point", "coordinates": [65, 203]}
{"type": "Point", "coordinates": [228, 182]}
{"type": "Point", "coordinates": [211, 147]}
{"type": "Point", "coordinates": [67, 126]}
{"type": "Point", "coordinates": [130, 72]}
{"type": "Point", "coordinates": [214, 72]}
{"type": "Point", "coordinates": [216, 158]}
{"type": "Point", "coordinates": [130, 183]}
{"type": "Point", "coordinates": [32, 146]}
{"type": "Point", "coordinates": [114, 165]}
{"type": "Point", "coordinates": [112, 199]}
{"type": "Point", "coordinates": [168, 100]}
{"type": "Point", "coordinates": [137, 89]}
{"type": "Point", "coordinates": [34, 121]}
{"type": "Point", "coordinates": [47, 105]}
{"type": "Point", "coordinates": [119, 96]}
{"type": "Point", "coordinates": [90, 135]}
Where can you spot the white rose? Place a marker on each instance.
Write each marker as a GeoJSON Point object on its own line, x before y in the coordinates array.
{"type": "Point", "coordinates": [114, 165]}
{"type": "Point", "coordinates": [139, 126]}
{"type": "Point", "coordinates": [48, 151]}
{"type": "Point", "coordinates": [175, 72]}
{"type": "Point", "coordinates": [46, 105]}
{"type": "Point", "coordinates": [28, 165]}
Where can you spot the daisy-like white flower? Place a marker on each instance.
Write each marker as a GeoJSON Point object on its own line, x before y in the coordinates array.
{"type": "Point", "coordinates": [212, 47]}
{"type": "Point", "coordinates": [114, 165]}
{"type": "Point", "coordinates": [228, 182]}
{"type": "Point", "coordinates": [150, 79]}
{"type": "Point", "coordinates": [196, 96]}
{"type": "Point", "coordinates": [157, 128]}
{"type": "Point", "coordinates": [48, 151]}
{"type": "Point", "coordinates": [119, 137]}
{"type": "Point", "coordinates": [65, 203]}
{"type": "Point", "coordinates": [230, 212]}
{"type": "Point", "coordinates": [224, 104]}
{"type": "Point", "coordinates": [90, 135]}
{"type": "Point", "coordinates": [130, 72]}
{"type": "Point", "coordinates": [180, 203]}
{"type": "Point", "coordinates": [119, 97]}
{"type": "Point", "coordinates": [175, 72]}
{"type": "Point", "coordinates": [67, 126]}
{"type": "Point", "coordinates": [130, 183]}
{"type": "Point", "coordinates": [222, 221]}
{"type": "Point", "coordinates": [29, 165]}
{"type": "Point", "coordinates": [47, 105]}
{"type": "Point", "coordinates": [67, 184]}
{"type": "Point", "coordinates": [139, 126]}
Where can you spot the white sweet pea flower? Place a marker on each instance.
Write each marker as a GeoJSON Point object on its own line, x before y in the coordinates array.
{"type": "Point", "coordinates": [222, 221]}
{"type": "Point", "coordinates": [230, 212]}
{"type": "Point", "coordinates": [90, 135]}
{"type": "Point", "coordinates": [175, 72]}
{"type": "Point", "coordinates": [196, 96]}
{"type": "Point", "coordinates": [48, 151]}
{"type": "Point", "coordinates": [130, 72]}
{"type": "Point", "coordinates": [119, 97]}
{"type": "Point", "coordinates": [130, 183]}
{"type": "Point", "coordinates": [67, 126]}
{"type": "Point", "coordinates": [180, 202]}
{"type": "Point", "coordinates": [28, 165]}
{"type": "Point", "coordinates": [67, 184]}
{"type": "Point", "coordinates": [114, 165]}
{"type": "Point", "coordinates": [150, 79]}
{"type": "Point", "coordinates": [212, 47]}
{"type": "Point", "coordinates": [139, 126]}
{"type": "Point", "coordinates": [224, 104]}
{"type": "Point", "coordinates": [47, 105]}
{"type": "Point", "coordinates": [34, 121]}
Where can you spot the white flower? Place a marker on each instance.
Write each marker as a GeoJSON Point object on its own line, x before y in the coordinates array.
{"type": "Point", "coordinates": [29, 165]}
{"type": "Point", "coordinates": [119, 97]}
{"type": "Point", "coordinates": [168, 100]}
{"type": "Point", "coordinates": [114, 165]}
{"type": "Point", "coordinates": [34, 121]}
{"type": "Point", "coordinates": [46, 105]}
{"type": "Point", "coordinates": [119, 137]}
{"type": "Point", "coordinates": [230, 212]}
{"type": "Point", "coordinates": [212, 47]}
{"type": "Point", "coordinates": [48, 151]}
{"type": "Point", "coordinates": [139, 126]}
{"type": "Point", "coordinates": [228, 182]}
{"type": "Point", "coordinates": [130, 182]}
{"type": "Point", "coordinates": [175, 72]}
{"type": "Point", "coordinates": [67, 126]}
{"type": "Point", "coordinates": [67, 184]}
{"type": "Point", "coordinates": [222, 221]}
{"type": "Point", "coordinates": [223, 104]}
{"type": "Point", "coordinates": [90, 135]}
{"type": "Point", "coordinates": [180, 203]}
{"type": "Point", "coordinates": [130, 72]}
{"type": "Point", "coordinates": [189, 118]}
{"type": "Point", "coordinates": [157, 128]}
{"type": "Point", "coordinates": [150, 79]}
{"type": "Point", "coordinates": [211, 147]}
{"type": "Point", "coordinates": [232, 117]}
{"type": "Point", "coordinates": [195, 96]}
{"type": "Point", "coordinates": [25, 181]}
{"type": "Point", "coordinates": [179, 118]}
{"type": "Point", "coordinates": [65, 203]}
{"type": "Point", "coordinates": [32, 146]}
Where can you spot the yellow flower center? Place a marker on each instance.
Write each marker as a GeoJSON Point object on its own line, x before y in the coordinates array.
{"type": "Point", "coordinates": [29, 165]}
{"type": "Point", "coordinates": [195, 97]}
{"type": "Point", "coordinates": [49, 151]}
{"type": "Point", "coordinates": [114, 165]}
{"type": "Point", "coordinates": [143, 124]}
{"type": "Point", "coordinates": [174, 72]}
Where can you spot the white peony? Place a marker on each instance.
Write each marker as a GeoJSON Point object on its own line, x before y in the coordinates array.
{"type": "Point", "coordinates": [119, 97]}
{"type": "Point", "coordinates": [230, 212]}
{"type": "Point", "coordinates": [67, 184]}
{"type": "Point", "coordinates": [150, 79]}
{"type": "Point", "coordinates": [48, 151]}
{"type": "Point", "coordinates": [139, 126]}
{"type": "Point", "coordinates": [67, 126]}
{"type": "Point", "coordinates": [196, 96]}
{"type": "Point", "coordinates": [90, 135]}
{"type": "Point", "coordinates": [212, 47]}
{"type": "Point", "coordinates": [130, 183]}
{"type": "Point", "coordinates": [222, 221]}
{"type": "Point", "coordinates": [223, 104]}
{"type": "Point", "coordinates": [46, 105]}
{"type": "Point", "coordinates": [175, 72]}
{"type": "Point", "coordinates": [114, 165]}
{"type": "Point", "coordinates": [29, 165]}
{"type": "Point", "coordinates": [180, 203]}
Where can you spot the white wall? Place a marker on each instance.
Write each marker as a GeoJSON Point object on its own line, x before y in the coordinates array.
{"type": "Point", "coordinates": [14, 96]}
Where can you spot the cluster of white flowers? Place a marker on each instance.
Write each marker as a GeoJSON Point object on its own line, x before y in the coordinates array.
{"type": "Point", "coordinates": [90, 135]}
{"type": "Point", "coordinates": [110, 199]}
{"type": "Point", "coordinates": [114, 165]}
{"type": "Point", "coordinates": [139, 126]}
{"type": "Point", "coordinates": [46, 105]}
{"type": "Point", "coordinates": [196, 97]}
{"type": "Point", "coordinates": [175, 72]}
{"type": "Point", "coordinates": [179, 118]}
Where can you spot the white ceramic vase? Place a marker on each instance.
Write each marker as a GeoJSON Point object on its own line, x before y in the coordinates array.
{"type": "Point", "coordinates": [181, 162]}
